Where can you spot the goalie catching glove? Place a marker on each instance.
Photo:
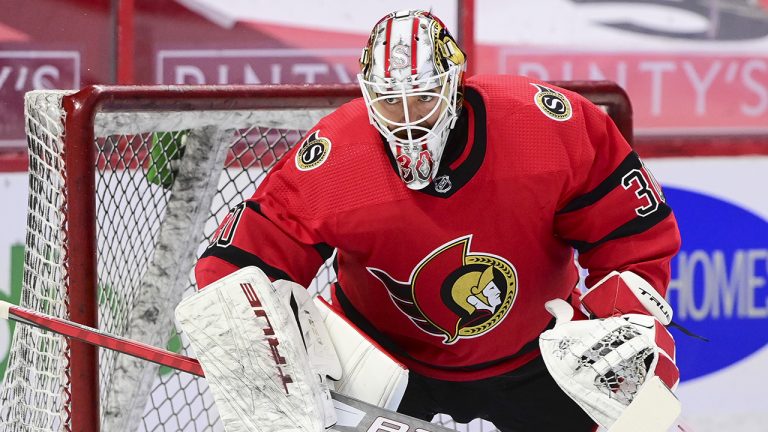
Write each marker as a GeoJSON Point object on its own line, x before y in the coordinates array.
{"type": "Point", "coordinates": [603, 363]}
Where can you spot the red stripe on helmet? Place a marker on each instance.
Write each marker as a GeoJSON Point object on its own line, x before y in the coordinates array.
{"type": "Point", "coordinates": [385, 17]}
{"type": "Point", "coordinates": [414, 44]}
{"type": "Point", "coordinates": [387, 36]}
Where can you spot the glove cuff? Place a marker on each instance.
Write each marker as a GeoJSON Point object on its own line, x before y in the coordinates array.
{"type": "Point", "coordinates": [624, 293]}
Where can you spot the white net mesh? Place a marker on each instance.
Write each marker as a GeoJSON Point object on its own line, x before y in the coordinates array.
{"type": "Point", "coordinates": [147, 215]}
{"type": "Point", "coordinates": [35, 394]}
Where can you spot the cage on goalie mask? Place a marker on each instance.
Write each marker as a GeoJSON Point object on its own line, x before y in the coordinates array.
{"type": "Point", "coordinates": [411, 79]}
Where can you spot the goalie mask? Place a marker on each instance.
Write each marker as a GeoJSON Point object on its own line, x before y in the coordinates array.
{"type": "Point", "coordinates": [411, 78]}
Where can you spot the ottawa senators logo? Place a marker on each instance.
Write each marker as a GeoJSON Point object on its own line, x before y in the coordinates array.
{"type": "Point", "coordinates": [313, 152]}
{"type": "Point", "coordinates": [453, 293]}
{"type": "Point", "coordinates": [552, 103]}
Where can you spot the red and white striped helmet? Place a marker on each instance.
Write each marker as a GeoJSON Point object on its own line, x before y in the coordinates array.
{"type": "Point", "coordinates": [411, 78]}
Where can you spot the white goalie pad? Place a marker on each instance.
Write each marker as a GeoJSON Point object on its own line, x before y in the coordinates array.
{"type": "Point", "coordinates": [603, 364]}
{"type": "Point", "coordinates": [368, 373]}
{"type": "Point", "coordinates": [253, 354]}
{"type": "Point", "coordinates": [319, 345]}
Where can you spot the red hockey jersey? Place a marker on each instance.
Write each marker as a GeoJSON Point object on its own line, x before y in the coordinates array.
{"type": "Point", "coordinates": [453, 278]}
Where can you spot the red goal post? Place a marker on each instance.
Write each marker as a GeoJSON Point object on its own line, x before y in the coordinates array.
{"type": "Point", "coordinates": [111, 242]}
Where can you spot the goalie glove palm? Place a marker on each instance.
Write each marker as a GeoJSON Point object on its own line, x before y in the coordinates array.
{"type": "Point", "coordinates": [603, 363]}
{"type": "Point", "coordinates": [628, 294]}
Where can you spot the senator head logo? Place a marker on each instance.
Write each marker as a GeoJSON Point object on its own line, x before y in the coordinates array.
{"type": "Point", "coordinates": [313, 152]}
{"type": "Point", "coordinates": [455, 293]}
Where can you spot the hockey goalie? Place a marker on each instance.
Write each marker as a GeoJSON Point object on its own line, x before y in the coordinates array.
{"type": "Point", "coordinates": [452, 208]}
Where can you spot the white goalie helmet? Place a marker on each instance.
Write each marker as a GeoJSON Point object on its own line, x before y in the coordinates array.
{"type": "Point", "coordinates": [411, 78]}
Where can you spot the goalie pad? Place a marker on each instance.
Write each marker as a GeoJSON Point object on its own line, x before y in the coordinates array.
{"type": "Point", "coordinates": [314, 334]}
{"type": "Point", "coordinates": [602, 364]}
{"type": "Point", "coordinates": [368, 372]}
{"type": "Point", "coordinates": [254, 357]}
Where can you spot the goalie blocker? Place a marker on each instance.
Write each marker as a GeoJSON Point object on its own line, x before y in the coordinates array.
{"type": "Point", "coordinates": [268, 348]}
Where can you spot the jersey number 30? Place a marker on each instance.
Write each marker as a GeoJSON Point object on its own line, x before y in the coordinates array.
{"type": "Point", "coordinates": [646, 189]}
{"type": "Point", "coordinates": [226, 231]}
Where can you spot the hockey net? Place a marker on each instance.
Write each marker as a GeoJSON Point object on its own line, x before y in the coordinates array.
{"type": "Point", "coordinates": [126, 187]}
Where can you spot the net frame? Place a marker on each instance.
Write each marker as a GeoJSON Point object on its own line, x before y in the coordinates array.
{"type": "Point", "coordinates": [80, 167]}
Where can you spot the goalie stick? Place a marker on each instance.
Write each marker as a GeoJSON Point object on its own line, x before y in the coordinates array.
{"type": "Point", "coordinates": [353, 415]}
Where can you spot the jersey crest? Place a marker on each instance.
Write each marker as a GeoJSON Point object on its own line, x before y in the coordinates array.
{"type": "Point", "coordinates": [312, 152]}
{"type": "Point", "coordinates": [552, 103]}
{"type": "Point", "coordinates": [475, 291]}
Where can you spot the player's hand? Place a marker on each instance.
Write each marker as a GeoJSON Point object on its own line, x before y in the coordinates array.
{"type": "Point", "coordinates": [629, 296]}
{"type": "Point", "coordinates": [603, 363]}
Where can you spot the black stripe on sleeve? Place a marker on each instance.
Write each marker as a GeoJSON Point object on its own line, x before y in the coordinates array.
{"type": "Point", "coordinates": [253, 205]}
{"type": "Point", "coordinates": [240, 258]}
{"type": "Point", "coordinates": [635, 226]}
{"type": "Point", "coordinates": [632, 161]}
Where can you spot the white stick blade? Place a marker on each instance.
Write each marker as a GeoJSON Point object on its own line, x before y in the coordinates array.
{"type": "Point", "coordinates": [654, 409]}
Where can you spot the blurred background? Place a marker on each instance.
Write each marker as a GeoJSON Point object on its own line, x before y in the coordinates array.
{"type": "Point", "coordinates": [695, 70]}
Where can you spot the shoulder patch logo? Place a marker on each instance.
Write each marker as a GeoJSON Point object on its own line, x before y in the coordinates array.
{"type": "Point", "coordinates": [552, 103]}
{"type": "Point", "coordinates": [313, 152]}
